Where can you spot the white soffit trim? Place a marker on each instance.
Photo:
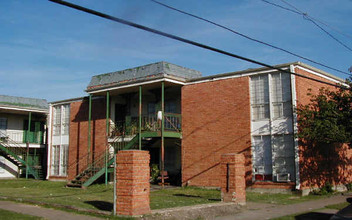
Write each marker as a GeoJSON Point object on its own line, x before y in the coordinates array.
{"type": "Point", "coordinates": [319, 74]}
{"type": "Point", "coordinates": [23, 109]}
{"type": "Point", "coordinates": [137, 84]}
{"type": "Point", "coordinates": [235, 76]}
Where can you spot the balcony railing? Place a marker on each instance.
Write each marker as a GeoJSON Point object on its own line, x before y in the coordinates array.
{"type": "Point", "coordinates": [20, 137]}
{"type": "Point", "coordinates": [128, 127]}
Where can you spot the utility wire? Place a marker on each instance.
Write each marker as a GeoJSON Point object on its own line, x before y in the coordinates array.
{"type": "Point", "coordinates": [282, 7]}
{"type": "Point", "coordinates": [309, 18]}
{"type": "Point", "coordinates": [251, 38]}
{"type": "Point", "coordinates": [315, 19]}
{"type": "Point", "coordinates": [171, 36]}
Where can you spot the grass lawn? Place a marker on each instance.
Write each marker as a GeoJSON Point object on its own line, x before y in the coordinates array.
{"type": "Point", "coordinates": [98, 196]}
{"type": "Point", "coordinates": [337, 206]}
{"type": "Point", "coordinates": [16, 216]}
{"type": "Point", "coordinates": [283, 199]}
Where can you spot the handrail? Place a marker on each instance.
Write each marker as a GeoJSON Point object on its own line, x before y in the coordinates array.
{"type": "Point", "coordinates": [149, 123]}
{"type": "Point", "coordinates": [16, 150]}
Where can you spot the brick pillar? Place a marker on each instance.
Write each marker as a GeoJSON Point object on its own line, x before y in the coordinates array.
{"type": "Point", "coordinates": [233, 183]}
{"type": "Point", "coordinates": [132, 187]}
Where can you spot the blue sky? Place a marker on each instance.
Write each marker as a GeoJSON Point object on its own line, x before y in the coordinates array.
{"type": "Point", "coordinates": [51, 51]}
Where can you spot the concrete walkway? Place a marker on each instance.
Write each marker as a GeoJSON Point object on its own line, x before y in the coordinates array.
{"type": "Point", "coordinates": [46, 213]}
{"type": "Point", "coordinates": [268, 211]}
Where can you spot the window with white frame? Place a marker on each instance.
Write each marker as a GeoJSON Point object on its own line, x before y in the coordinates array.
{"type": "Point", "coordinates": [61, 120]}
{"type": "Point", "coordinates": [273, 156]}
{"type": "Point", "coordinates": [57, 120]}
{"type": "Point", "coordinates": [260, 97]}
{"type": "Point", "coordinates": [55, 160]}
{"type": "Point", "coordinates": [262, 155]}
{"type": "Point", "coordinates": [65, 119]}
{"type": "Point", "coordinates": [281, 95]}
{"type": "Point", "coordinates": [59, 160]}
{"type": "Point", "coordinates": [283, 154]}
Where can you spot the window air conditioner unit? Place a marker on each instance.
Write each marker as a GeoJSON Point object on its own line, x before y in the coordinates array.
{"type": "Point", "coordinates": [283, 177]}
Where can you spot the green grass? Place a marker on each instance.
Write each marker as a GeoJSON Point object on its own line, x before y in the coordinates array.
{"type": "Point", "coordinates": [183, 197]}
{"type": "Point", "coordinates": [284, 199]}
{"type": "Point", "coordinates": [16, 216]}
{"type": "Point", "coordinates": [98, 196]}
{"type": "Point", "coordinates": [337, 206]}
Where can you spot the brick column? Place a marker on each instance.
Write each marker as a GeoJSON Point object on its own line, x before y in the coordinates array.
{"type": "Point", "coordinates": [233, 184]}
{"type": "Point", "coordinates": [132, 187]}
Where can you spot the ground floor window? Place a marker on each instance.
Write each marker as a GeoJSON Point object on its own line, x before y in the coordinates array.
{"type": "Point", "coordinates": [273, 158]}
{"type": "Point", "coordinates": [59, 159]}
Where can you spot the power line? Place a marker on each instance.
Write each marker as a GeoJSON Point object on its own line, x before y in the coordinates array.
{"type": "Point", "coordinates": [250, 38]}
{"type": "Point", "coordinates": [309, 18]}
{"type": "Point", "coordinates": [315, 19]}
{"type": "Point", "coordinates": [282, 7]}
{"type": "Point", "coordinates": [171, 36]}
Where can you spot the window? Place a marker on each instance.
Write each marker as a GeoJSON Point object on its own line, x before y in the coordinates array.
{"type": "Point", "coordinates": [61, 120]}
{"type": "Point", "coordinates": [66, 119]}
{"type": "Point", "coordinates": [57, 121]}
{"type": "Point", "coordinates": [283, 154]}
{"type": "Point", "coordinates": [55, 158]}
{"type": "Point", "coordinates": [281, 95]}
{"type": "Point", "coordinates": [3, 127]}
{"type": "Point", "coordinates": [262, 155]}
{"type": "Point", "coordinates": [260, 97]}
{"type": "Point", "coordinates": [170, 106]}
{"type": "Point", "coordinates": [59, 159]}
{"type": "Point", "coordinates": [273, 155]}
{"type": "Point", "coordinates": [151, 108]}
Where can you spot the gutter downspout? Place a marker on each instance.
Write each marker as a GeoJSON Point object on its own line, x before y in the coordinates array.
{"type": "Point", "coordinates": [295, 126]}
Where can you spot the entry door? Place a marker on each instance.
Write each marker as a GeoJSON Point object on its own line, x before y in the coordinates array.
{"type": "Point", "coordinates": [120, 113]}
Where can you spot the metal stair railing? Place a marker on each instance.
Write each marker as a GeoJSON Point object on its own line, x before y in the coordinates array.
{"type": "Point", "coordinates": [13, 149]}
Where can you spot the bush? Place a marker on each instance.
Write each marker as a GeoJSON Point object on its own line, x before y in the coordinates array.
{"type": "Point", "coordinates": [154, 173]}
{"type": "Point", "coordinates": [349, 186]}
{"type": "Point", "coordinates": [324, 190]}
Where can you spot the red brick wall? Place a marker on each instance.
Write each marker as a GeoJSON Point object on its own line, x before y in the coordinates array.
{"type": "Point", "coordinates": [132, 186]}
{"type": "Point", "coordinates": [233, 183]}
{"type": "Point", "coordinates": [215, 121]}
{"type": "Point", "coordinates": [78, 147]}
{"type": "Point", "coordinates": [311, 173]}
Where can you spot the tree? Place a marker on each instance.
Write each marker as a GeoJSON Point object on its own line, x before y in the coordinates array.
{"type": "Point", "coordinates": [324, 130]}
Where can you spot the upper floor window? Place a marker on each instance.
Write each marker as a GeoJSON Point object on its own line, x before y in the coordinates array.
{"type": "Point", "coordinates": [61, 120]}
{"type": "Point", "coordinates": [281, 95]}
{"type": "Point", "coordinates": [274, 99]}
{"type": "Point", "coordinates": [260, 97]}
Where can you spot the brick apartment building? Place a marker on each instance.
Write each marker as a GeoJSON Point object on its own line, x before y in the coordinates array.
{"type": "Point", "coordinates": [249, 112]}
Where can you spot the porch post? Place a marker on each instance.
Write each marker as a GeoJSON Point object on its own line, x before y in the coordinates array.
{"type": "Point", "coordinates": [27, 143]}
{"type": "Point", "coordinates": [140, 119]}
{"type": "Point", "coordinates": [107, 135]}
{"type": "Point", "coordinates": [162, 133]}
{"type": "Point", "coordinates": [89, 130]}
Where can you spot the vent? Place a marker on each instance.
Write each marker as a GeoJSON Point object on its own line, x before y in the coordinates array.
{"type": "Point", "coordinates": [283, 177]}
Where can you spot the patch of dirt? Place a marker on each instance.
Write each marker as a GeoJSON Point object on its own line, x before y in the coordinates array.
{"type": "Point", "coordinates": [206, 212]}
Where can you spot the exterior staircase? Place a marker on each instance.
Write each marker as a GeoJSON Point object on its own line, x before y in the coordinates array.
{"type": "Point", "coordinates": [97, 168]}
{"type": "Point", "coordinates": [17, 155]}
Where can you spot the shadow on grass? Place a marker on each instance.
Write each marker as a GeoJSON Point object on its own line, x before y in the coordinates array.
{"type": "Point", "coordinates": [185, 195]}
{"type": "Point", "coordinates": [313, 216]}
{"type": "Point", "coordinates": [193, 196]}
{"type": "Point", "coordinates": [101, 205]}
